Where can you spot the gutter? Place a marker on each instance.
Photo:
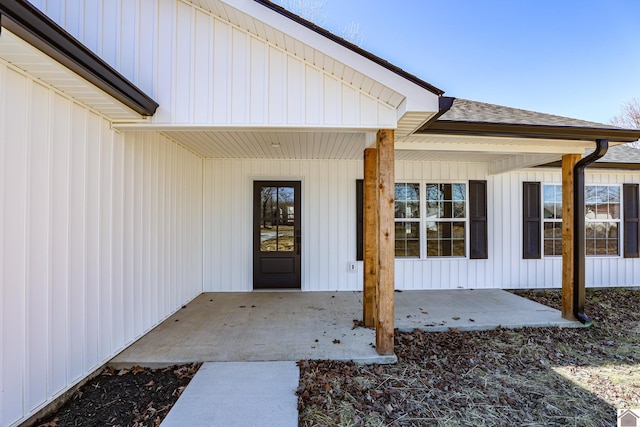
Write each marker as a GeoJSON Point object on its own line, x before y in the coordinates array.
{"type": "Point", "coordinates": [27, 22]}
{"type": "Point", "coordinates": [579, 250]}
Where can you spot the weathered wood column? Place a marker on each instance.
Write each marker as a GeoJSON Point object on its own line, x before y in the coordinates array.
{"type": "Point", "coordinates": [568, 252]}
{"type": "Point", "coordinates": [386, 242]}
{"type": "Point", "coordinates": [370, 236]}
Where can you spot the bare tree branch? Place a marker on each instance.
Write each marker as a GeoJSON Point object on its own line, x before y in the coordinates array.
{"type": "Point", "coordinates": [629, 117]}
{"type": "Point", "coordinates": [312, 10]}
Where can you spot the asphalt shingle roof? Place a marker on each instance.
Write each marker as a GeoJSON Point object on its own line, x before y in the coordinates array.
{"type": "Point", "coordinates": [621, 154]}
{"type": "Point", "coordinates": [464, 110]}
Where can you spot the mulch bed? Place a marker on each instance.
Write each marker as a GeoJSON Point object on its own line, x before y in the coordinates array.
{"type": "Point", "coordinates": [137, 397]}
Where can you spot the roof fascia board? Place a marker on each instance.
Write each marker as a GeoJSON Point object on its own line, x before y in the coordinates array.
{"type": "Point", "coordinates": [529, 131]}
{"type": "Point", "coordinates": [33, 26]}
{"type": "Point", "coordinates": [421, 96]}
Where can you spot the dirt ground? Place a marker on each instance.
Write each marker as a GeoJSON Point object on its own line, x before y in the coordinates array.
{"type": "Point", "coordinates": [532, 377]}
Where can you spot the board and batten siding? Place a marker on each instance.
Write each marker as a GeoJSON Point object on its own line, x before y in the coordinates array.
{"type": "Point", "coordinates": [505, 267]}
{"type": "Point", "coordinates": [100, 240]}
{"type": "Point", "coordinates": [328, 221]}
{"type": "Point", "coordinates": [204, 70]}
{"type": "Point", "coordinates": [328, 228]}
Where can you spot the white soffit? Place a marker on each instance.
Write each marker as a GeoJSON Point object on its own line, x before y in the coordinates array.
{"type": "Point", "coordinates": [261, 144]}
{"type": "Point", "coordinates": [20, 54]}
{"type": "Point", "coordinates": [491, 145]}
{"type": "Point", "coordinates": [341, 62]}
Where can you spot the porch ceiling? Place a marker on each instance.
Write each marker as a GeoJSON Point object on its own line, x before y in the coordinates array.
{"type": "Point", "coordinates": [349, 145]}
{"type": "Point", "coordinates": [261, 144]}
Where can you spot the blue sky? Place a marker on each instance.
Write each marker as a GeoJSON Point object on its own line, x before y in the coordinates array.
{"type": "Point", "coordinates": [573, 58]}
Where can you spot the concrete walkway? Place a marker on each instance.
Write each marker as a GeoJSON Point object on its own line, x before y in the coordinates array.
{"type": "Point", "coordinates": [239, 394]}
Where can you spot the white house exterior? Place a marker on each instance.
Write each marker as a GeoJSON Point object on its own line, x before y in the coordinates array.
{"type": "Point", "coordinates": [113, 217]}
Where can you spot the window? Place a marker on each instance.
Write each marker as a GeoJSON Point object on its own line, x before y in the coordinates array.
{"type": "Point", "coordinates": [602, 219]}
{"type": "Point", "coordinates": [552, 220]}
{"type": "Point", "coordinates": [435, 219]}
{"type": "Point", "coordinates": [446, 215]}
{"type": "Point", "coordinates": [407, 214]}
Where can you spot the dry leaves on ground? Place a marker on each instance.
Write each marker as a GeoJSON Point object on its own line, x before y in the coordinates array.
{"type": "Point", "coordinates": [531, 376]}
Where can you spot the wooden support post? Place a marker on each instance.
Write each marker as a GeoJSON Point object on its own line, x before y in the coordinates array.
{"type": "Point", "coordinates": [386, 242]}
{"type": "Point", "coordinates": [568, 253]}
{"type": "Point", "coordinates": [370, 237]}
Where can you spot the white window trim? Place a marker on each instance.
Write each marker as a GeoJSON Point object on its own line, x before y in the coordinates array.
{"type": "Point", "coordinates": [423, 219]}
{"type": "Point", "coordinates": [619, 221]}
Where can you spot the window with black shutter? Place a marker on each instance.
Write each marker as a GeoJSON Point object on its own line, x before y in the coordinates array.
{"type": "Point", "coordinates": [478, 233]}
{"type": "Point", "coordinates": [531, 210]}
{"type": "Point", "coordinates": [631, 229]}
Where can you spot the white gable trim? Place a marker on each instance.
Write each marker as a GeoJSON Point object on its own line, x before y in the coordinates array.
{"type": "Point", "coordinates": [264, 22]}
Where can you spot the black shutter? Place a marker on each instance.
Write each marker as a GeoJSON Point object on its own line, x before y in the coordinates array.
{"type": "Point", "coordinates": [531, 227]}
{"type": "Point", "coordinates": [359, 218]}
{"type": "Point", "coordinates": [478, 245]}
{"type": "Point", "coordinates": [631, 229]}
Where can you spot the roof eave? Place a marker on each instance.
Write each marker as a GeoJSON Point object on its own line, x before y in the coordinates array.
{"type": "Point", "coordinates": [345, 43]}
{"type": "Point", "coordinates": [528, 131]}
{"type": "Point", "coordinates": [30, 24]}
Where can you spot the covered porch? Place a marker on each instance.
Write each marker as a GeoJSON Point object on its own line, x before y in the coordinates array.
{"type": "Point", "coordinates": [272, 326]}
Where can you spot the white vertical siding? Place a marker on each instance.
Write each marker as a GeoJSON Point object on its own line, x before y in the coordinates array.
{"type": "Point", "coordinates": [328, 206]}
{"type": "Point", "coordinates": [83, 214]}
{"type": "Point", "coordinates": [202, 69]}
{"type": "Point", "coordinates": [328, 221]}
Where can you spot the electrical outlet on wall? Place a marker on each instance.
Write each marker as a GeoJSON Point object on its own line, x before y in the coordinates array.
{"type": "Point", "coordinates": [352, 266]}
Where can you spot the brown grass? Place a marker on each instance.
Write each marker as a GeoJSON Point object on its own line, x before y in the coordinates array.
{"type": "Point", "coordinates": [530, 377]}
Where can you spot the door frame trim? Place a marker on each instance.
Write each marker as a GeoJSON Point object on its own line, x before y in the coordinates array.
{"type": "Point", "coordinates": [251, 179]}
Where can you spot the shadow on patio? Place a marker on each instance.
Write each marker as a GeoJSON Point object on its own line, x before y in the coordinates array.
{"type": "Point", "coordinates": [270, 326]}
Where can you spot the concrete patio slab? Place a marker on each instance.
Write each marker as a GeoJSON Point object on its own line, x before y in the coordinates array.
{"type": "Point", "coordinates": [290, 326]}
{"type": "Point", "coordinates": [258, 326]}
{"type": "Point", "coordinates": [242, 394]}
{"type": "Point", "coordinates": [472, 310]}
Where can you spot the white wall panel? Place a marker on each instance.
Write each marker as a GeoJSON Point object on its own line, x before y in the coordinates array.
{"type": "Point", "coordinates": [328, 221]}
{"type": "Point", "coordinates": [202, 69]}
{"type": "Point", "coordinates": [83, 214]}
{"type": "Point", "coordinates": [329, 228]}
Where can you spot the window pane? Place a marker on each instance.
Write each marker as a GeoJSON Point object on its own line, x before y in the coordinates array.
{"type": "Point", "coordinates": [445, 247]}
{"type": "Point", "coordinates": [447, 210]}
{"type": "Point", "coordinates": [557, 245]}
{"type": "Point", "coordinates": [407, 240]}
{"type": "Point", "coordinates": [614, 210]}
{"type": "Point", "coordinates": [548, 247]}
{"type": "Point", "coordinates": [549, 210]}
{"type": "Point", "coordinates": [432, 248]}
{"type": "Point", "coordinates": [432, 230]}
{"type": "Point", "coordinates": [277, 219]}
{"type": "Point", "coordinates": [285, 238]}
{"type": "Point", "coordinates": [433, 192]}
{"type": "Point", "coordinates": [459, 210]}
{"type": "Point", "coordinates": [458, 247]}
{"type": "Point", "coordinates": [407, 200]}
{"type": "Point", "coordinates": [444, 230]}
{"type": "Point", "coordinates": [459, 192]}
{"type": "Point", "coordinates": [552, 236]}
{"type": "Point", "coordinates": [458, 230]}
